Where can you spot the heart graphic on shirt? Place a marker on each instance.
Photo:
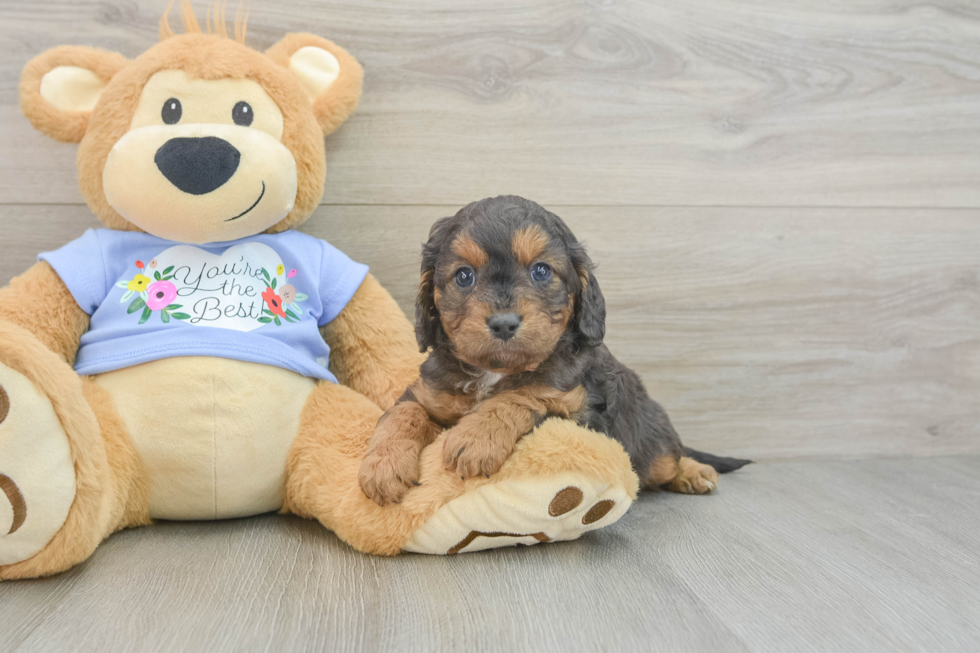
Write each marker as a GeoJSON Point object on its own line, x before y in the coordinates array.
{"type": "Point", "coordinates": [233, 290]}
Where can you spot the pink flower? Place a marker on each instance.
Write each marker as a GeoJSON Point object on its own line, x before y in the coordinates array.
{"type": "Point", "coordinates": [153, 263]}
{"type": "Point", "coordinates": [160, 294]}
{"type": "Point", "coordinates": [292, 273]}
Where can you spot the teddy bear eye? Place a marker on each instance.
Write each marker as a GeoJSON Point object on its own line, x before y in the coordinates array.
{"type": "Point", "coordinates": [171, 111]}
{"type": "Point", "coordinates": [243, 114]}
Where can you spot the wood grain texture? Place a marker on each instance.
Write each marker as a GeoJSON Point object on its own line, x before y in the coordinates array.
{"type": "Point", "coordinates": [815, 327]}
{"type": "Point", "coordinates": [775, 333]}
{"type": "Point", "coordinates": [813, 556]}
{"type": "Point", "coordinates": [675, 102]}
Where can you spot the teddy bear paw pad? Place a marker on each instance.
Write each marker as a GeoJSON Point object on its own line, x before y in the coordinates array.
{"type": "Point", "coordinates": [521, 511]}
{"type": "Point", "coordinates": [37, 477]}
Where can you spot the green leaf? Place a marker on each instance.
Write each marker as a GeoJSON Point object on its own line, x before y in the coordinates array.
{"type": "Point", "coordinates": [173, 307]}
{"type": "Point", "coordinates": [169, 269]}
{"type": "Point", "coordinates": [122, 284]}
{"type": "Point", "coordinates": [265, 320]}
{"type": "Point", "coordinates": [301, 297]}
{"type": "Point", "coordinates": [180, 316]}
{"type": "Point", "coordinates": [137, 304]}
{"type": "Point", "coordinates": [156, 275]}
{"type": "Point", "coordinates": [164, 316]}
{"type": "Point", "coordinates": [265, 273]}
{"type": "Point", "coordinates": [273, 284]}
{"type": "Point", "coordinates": [278, 322]}
{"type": "Point", "coordinates": [268, 312]}
{"type": "Point", "coordinates": [146, 315]}
{"type": "Point", "coordinates": [126, 296]}
{"type": "Point", "coordinates": [289, 313]}
{"type": "Point", "coordinates": [168, 277]}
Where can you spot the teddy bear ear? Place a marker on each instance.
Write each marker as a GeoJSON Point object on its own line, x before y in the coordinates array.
{"type": "Point", "coordinates": [330, 76]}
{"type": "Point", "coordinates": [59, 88]}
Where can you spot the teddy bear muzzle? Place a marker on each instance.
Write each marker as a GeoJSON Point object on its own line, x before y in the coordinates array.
{"type": "Point", "coordinates": [199, 183]}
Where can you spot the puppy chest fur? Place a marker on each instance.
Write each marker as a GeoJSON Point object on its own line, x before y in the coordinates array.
{"type": "Point", "coordinates": [481, 386]}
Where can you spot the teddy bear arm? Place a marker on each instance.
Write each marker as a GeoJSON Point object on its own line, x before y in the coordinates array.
{"type": "Point", "coordinates": [372, 345]}
{"type": "Point", "coordinates": [39, 302]}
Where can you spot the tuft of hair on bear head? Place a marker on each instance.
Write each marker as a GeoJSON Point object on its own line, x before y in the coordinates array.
{"type": "Point", "coordinates": [217, 24]}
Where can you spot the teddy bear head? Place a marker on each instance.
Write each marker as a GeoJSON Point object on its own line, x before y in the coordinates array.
{"type": "Point", "coordinates": [199, 139]}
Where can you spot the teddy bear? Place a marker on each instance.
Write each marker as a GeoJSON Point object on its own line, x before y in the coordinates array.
{"type": "Point", "coordinates": [199, 358]}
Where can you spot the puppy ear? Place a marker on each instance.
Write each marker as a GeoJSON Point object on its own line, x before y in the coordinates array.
{"type": "Point", "coordinates": [590, 305]}
{"type": "Point", "coordinates": [60, 87]}
{"type": "Point", "coordinates": [427, 325]}
{"type": "Point", "coordinates": [330, 76]}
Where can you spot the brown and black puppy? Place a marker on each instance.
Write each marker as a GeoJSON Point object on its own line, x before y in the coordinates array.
{"type": "Point", "coordinates": [515, 320]}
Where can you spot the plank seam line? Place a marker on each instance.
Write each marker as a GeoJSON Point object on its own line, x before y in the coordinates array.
{"type": "Point", "coordinates": [809, 207]}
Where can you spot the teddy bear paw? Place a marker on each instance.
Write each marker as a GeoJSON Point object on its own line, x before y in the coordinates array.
{"type": "Point", "coordinates": [521, 511]}
{"type": "Point", "coordinates": [37, 476]}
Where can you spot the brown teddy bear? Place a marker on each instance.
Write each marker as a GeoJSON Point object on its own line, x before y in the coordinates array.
{"type": "Point", "coordinates": [200, 359]}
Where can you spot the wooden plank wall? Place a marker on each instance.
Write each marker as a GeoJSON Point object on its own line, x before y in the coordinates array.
{"type": "Point", "coordinates": [783, 198]}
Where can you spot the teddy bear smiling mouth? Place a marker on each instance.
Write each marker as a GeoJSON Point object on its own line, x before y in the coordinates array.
{"type": "Point", "coordinates": [254, 204]}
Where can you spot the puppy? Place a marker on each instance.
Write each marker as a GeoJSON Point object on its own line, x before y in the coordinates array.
{"type": "Point", "coordinates": [515, 319]}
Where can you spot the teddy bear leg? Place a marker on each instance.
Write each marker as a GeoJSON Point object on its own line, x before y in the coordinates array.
{"type": "Point", "coordinates": [322, 467]}
{"type": "Point", "coordinates": [561, 481]}
{"type": "Point", "coordinates": [68, 473]}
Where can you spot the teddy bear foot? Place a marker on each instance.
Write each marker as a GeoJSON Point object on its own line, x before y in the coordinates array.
{"type": "Point", "coordinates": [521, 511]}
{"type": "Point", "coordinates": [37, 477]}
{"type": "Point", "coordinates": [561, 481]}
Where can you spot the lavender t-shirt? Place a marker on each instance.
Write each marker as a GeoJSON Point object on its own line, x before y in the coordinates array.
{"type": "Point", "coordinates": [260, 299]}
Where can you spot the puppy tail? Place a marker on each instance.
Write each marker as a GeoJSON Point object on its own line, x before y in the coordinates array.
{"type": "Point", "coordinates": [721, 464]}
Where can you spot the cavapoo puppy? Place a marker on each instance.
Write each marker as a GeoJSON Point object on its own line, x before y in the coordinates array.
{"type": "Point", "coordinates": [515, 319]}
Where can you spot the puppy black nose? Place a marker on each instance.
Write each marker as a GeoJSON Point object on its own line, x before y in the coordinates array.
{"type": "Point", "coordinates": [197, 165]}
{"type": "Point", "coordinates": [504, 325]}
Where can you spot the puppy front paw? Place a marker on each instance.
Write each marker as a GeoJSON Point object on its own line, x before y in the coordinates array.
{"type": "Point", "coordinates": [389, 470]}
{"type": "Point", "coordinates": [473, 452]}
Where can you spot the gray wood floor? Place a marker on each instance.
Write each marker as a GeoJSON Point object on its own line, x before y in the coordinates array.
{"type": "Point", "coordinates": [784, 201]}
{"type": "Point", "coordinates": [847, 556]}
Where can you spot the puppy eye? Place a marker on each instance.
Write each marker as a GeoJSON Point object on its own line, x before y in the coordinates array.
{"type": "Point", "coordinates": [541, 272]}
{"type": "Point", "coordinates": [243, 114]}
{"type": "Point", "coordinates": [171, 111]}
{"type": "Point", "coordinates": [464, 277]}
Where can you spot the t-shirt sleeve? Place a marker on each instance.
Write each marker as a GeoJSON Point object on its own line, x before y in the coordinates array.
{"type": "Point", "coordinates": [340, 277]}
{"type": "Point", "coordinates": [81, 265]}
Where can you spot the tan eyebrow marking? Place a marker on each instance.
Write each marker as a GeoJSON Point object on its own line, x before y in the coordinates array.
{"type": "Point", "coordinates": [466, 248]}
{"type": "Point", "coordinates": [528, 244]}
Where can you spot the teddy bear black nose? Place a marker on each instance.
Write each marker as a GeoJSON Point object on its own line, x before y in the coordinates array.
{"type": "Point", "coordinates": [504, 325]}
{"type": "Point", "coordinates": [197, 165]}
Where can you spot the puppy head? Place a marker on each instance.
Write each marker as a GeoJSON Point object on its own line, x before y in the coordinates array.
{"type": "Point", "coordinates": [502, 282]}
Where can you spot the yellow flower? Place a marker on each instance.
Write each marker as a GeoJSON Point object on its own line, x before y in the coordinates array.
{"type": "Point", "coordinates": [139, 283]}
{"type": "Point", "coordinates": [280, 270]}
